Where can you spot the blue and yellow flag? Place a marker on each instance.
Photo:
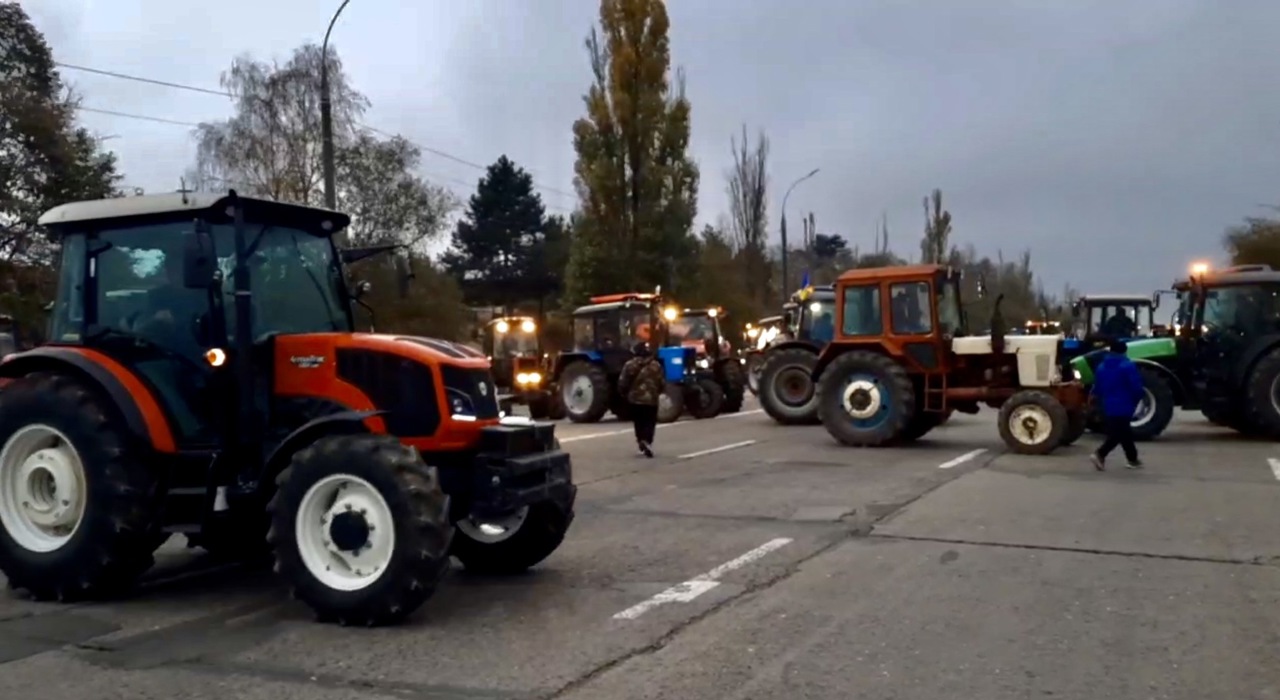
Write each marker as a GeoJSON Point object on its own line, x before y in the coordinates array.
{"type": "Point", "coordinates": [806, 287]}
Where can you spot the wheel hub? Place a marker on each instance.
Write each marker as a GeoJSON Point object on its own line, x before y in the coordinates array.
{"type": "Point", "coordinates": [794, 386]}
{"type": "Point", "coordinates": [862, 399]}
{"type": "Point", "coordinates": [349, 532]}
{"type": "Point", "coordinates": [345, 532]}
{"type": "Point", "coordinates": [1030, 425]}
{"type": "Point", "coordinates": [42, 488]}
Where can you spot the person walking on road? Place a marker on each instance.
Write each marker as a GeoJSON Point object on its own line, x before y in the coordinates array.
{"type": "Point", "coordinates": [1117, 386]}
{"type": "Point", "coordinates": [642, 382]}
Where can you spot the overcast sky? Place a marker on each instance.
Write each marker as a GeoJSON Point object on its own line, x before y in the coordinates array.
{"type": "Point", "coordinates": [1114, 138]}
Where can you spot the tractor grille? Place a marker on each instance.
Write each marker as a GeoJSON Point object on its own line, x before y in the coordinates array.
{"type": "Point", "coordinates": [477, 384]}
{"type": "Point", "coordinates": [404, 388]}
{"type": "Point", "coordinates": [1043, 368]}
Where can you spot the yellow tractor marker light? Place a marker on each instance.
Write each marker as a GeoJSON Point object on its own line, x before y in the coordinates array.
{"type": "Point", "coordinates": [528, 326]}
{"type": "Point", "coordinates": [713, 312]}
{"type": "Point", "coordinates": [815, 307]}
{"type": "Point", "coordinates": [1199, 269]}
{"type": "Point", "coordinates": [753, 332]}
{"type": "Point", "coordinates": [670, 313]}
{"type": "Point", "coordinates": [216, 357]}
{"type": "Point", "coordinates": [503, 326]}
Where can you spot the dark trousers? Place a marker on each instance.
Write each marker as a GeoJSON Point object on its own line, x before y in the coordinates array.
{"type": "Point", "coordinates": [1119, 432]}
{"type": "Point", "coordinates": [645, 420]}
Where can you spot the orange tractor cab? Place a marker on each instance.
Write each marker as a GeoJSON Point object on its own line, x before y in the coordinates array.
{"type": "Point", "coordinates": [901, 362]}
{"type": "Point", "coordinates": [203, 377]}
{"type": "Point", "coordinates": [514, 347]}
{"type": "Point", "coordinates": [721, 381]}
{"type": "Point", "coordinates": [605, 332]}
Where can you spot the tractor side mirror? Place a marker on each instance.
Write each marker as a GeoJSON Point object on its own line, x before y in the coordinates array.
{"type": "Point", "coordinates": [199, 265]}
{"type": "Point", "coordinates": [1075, 310]}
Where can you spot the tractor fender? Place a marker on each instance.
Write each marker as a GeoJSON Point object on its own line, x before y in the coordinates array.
{"type": "Point", "coordinates": [831, 351]}
{"type": "Point", "coordinates": [1253, 352]}
{"type": "Point", "coordinates": [564, 360]}
{"type": "Point", "coordinates": [341, 423]}
{"type": "Point", "coordinates": [1179, 390]}
{"type": "Point", "coordinates": [134, 403]}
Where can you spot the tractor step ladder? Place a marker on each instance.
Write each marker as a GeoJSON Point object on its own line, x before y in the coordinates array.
{"type": "Point", "coordinates": [935, 392]}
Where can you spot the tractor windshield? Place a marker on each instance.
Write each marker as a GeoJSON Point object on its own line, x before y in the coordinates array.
{"type": "Point", "coordinates": [693, 328]}
{"type": "Point", "coordinates": [950, 319]}
{"type": "Point", "coordinates": [513, 339]}
{"type": "Point", "coordinates": [295, 280]}
{"type": "Point", "coordinates": [1119, 320]}
{"type": "Point", "coordinates": [1243, 310]}
{"type": "Point", "coordinates": [817, 320]}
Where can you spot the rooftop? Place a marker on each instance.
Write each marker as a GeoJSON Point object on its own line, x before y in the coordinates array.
{"type": "Point", "coordinates": [179, 202]}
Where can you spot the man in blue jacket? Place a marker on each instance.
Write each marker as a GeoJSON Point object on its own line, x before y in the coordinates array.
{"type": "Point", "coordinates": [1117, 386]}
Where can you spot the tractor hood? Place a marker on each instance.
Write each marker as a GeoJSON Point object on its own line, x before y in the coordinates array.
{"type": "Point", "coordinates": [981, 344]}
{"type": "Point", "coordinates": [1144, 349]}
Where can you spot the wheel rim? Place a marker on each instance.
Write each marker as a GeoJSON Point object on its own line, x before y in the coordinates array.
{"type": "Point", "coordinates": [1030, 424]}
{"type": "Point", "coordinates": [865, 401]}
{"type": "Point", "coordinates": [1146, 410]}
{"type": "Point", "coordinates": [345, 532]}
{"type": "Point", "coordinates": [578, 394]}
{"type": "Point", "coordinates": [43, 489]}
{"type": "Point", "coordinates": [793, 386]}
{"type": "Point", "coordinates": [494, 531]}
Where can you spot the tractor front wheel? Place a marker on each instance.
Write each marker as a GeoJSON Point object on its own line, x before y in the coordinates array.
{"type": "Point", "coordinates": [76, 509]}
{"type": "Point", "coordinates": [734, 383]}
{"type": "Point", "coordinates": [670, 403]}
{"type": "Point", "coordinates": [516, 542]}
{"type": "Point", "coordinates": [705, 399]}
{"type": "Point", "coordinates": [867, 400]}
{"type": "Point", "coordinates": [787, 391]}
{"type": "Point", "coordinates": [1155, 411]}
{"type": "Point", "coordinates": [584, 390]}
{"type": "Point", "coordinates": [361, 529]}
{"type": "Point", "coordinates": [1033, 422]}
{"type": "Point", "coordinates": [755, 362]}
{"type": "Point", "coordinates": [1262, 395]}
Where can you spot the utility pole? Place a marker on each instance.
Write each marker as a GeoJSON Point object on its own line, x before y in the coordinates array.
{"type": "Point", "coordinates": [326, 117]}
{"type": "Point", "coordinates": [786, 289]}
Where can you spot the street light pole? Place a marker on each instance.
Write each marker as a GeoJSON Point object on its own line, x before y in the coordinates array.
{"type": "Point", "coordinates": [326, 117]}
{"type": "Point", "coordinates": [784, 229]}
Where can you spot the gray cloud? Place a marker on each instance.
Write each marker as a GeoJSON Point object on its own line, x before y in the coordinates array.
{"type": "Point", "coordinates": [1115, 139]}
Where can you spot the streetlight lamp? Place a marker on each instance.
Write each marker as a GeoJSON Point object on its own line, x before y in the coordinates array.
{"type": "Point", "coordinates": [784, 229]}
{"type": "Point", "coordinates": [326, 117]}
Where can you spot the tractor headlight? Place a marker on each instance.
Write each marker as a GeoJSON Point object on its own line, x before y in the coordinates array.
{"type": "Point", "coordinates": [1075, 374]}
{"type": "Point", "coordinates": [528, 378]}
{"type": "Point", "coordinates": [460, 405]}
{"type": "Point", "coordinates": [703, 363]}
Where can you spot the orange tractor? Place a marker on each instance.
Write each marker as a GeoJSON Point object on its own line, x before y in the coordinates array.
{"type": "Point", "coordinates": [901, 362]}
{"type": "Point", "coordinates": [203, 377]}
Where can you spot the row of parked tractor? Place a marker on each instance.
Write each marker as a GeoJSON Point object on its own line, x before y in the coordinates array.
{"type": "Point", "coordinates": [1212, 357]}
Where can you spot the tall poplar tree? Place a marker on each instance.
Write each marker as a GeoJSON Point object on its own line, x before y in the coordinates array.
{"type": "Point", "coordinates": [637, 186]}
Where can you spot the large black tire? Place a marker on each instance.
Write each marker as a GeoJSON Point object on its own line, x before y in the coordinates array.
{"type": "Point", "coordinates": [555, 405]}
{"type": "Point", "coordinates": [734, 382]}
{"type": "Point", "coordinates": [704, 399]}
{"type": "Point", "coordinates": [414, 502]}
{"type": "Point", "coordinates": [880, 405]}
{"type": "Point", "coordinates": [1077, 423]}
{"type": "Point", "coordinates": [1160, 404]}
{"type": "Point", "coordinates": [755, 362]}
{"type": "Point", "coordinates": [534, 539]}
{"type": "Point", "coordinates": [1262, 395]}
{"type": "Point", "coordinates": [585, 400]}
{"type": "Point", "coordinates": [671, 403]}
{"type": "Point", "coordinates": [1042, 422]}
{"type": "Point", "coordinates": [787, 391]}
{"type": "Point", "coordinates": [115, 537]}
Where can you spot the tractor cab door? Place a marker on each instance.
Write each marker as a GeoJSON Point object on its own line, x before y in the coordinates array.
{"type": "Point", "coordinates": [121, 292]}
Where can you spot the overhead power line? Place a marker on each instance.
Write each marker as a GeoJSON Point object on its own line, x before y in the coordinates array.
{"type": "Point", "coordinates": [222, 93]}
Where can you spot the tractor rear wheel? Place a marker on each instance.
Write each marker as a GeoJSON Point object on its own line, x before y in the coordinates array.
{"type": "Point", "coordinates": [1262, 395]}
{"type": "Point", "coordinates": [584, 390]}
{"type": "Point", "coordinates": [867, 400]}
{"type": "Point", "coordinates": [361, 529]}
{"type": "Point", "coordinates": [705, 399]}
{"type": "Point", "coordinates": [1033, 422]}
{"type": "Point", "coordinates": [787, 391]}
{"type": "Point", "coordinates": [1156, 409]}
{"type": "Point", "coordinates": [77, 513]}
{"type": "Point", "coordinates": [670, 403]}
{"type": "Point", "coordinates": [734, 383]}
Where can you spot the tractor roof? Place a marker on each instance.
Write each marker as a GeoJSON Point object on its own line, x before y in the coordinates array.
{"type": "Point", "coordinates": [1125, 299]}
{"type": "Point", "coordinates": [1240, 274]}
{"type": "Point", "coordinates": [768, 319]}
{"type": "Point", "coordinates": [623, 296]}
{"type": "Point", "coordinates": [511, 319]}
{"type": "Point", "coordinates": [159, 205]}
{"type": "Point", "coordinates": [607, 306]}
{"type": "Point", "coordinates": [869, 274]}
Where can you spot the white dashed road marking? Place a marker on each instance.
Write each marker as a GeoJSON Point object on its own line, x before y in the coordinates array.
{"type": "Point", "coordinates": [687, 591]}
{"type": "Point", "coordinates": [713, 450]}
{"type": "Point", "coordinates": [961, 459]}
{"type": "Point", "coordinates": [592, 436]}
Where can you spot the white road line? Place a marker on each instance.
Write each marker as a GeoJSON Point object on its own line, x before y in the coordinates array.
{"type": "Point", "coordinates": [591, 436]}
{"type": "Point", "coordinates": [963, 458]}
{"type": "Point", "coordinates": [1275, 466]}
{"type": "Point", "coordinates": [713, 450]}
{"type": "Point", "coordinates": [687, 591]}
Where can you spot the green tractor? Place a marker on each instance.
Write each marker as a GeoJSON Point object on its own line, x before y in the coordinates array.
{"type": "Point", "coordinates": [1223, 358]}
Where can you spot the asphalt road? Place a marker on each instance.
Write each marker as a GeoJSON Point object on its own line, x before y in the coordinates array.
{"type": "Point", "coordinates": [750, 560]}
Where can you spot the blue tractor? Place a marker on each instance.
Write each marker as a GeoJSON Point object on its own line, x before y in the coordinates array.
{"type": "Point", "coordinates": [787, 391]}
{"type": "Point", "coordinates": [604, 333]}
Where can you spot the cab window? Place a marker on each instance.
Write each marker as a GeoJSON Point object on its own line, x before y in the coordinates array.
{"type": "Point", "coordinates": [911, 308]}
{"type": "Point", "coordinates": [862, 311]}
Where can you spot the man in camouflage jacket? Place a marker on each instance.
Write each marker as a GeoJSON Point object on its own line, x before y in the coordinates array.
{"type": "Point", "coordinates": [642, 382]}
